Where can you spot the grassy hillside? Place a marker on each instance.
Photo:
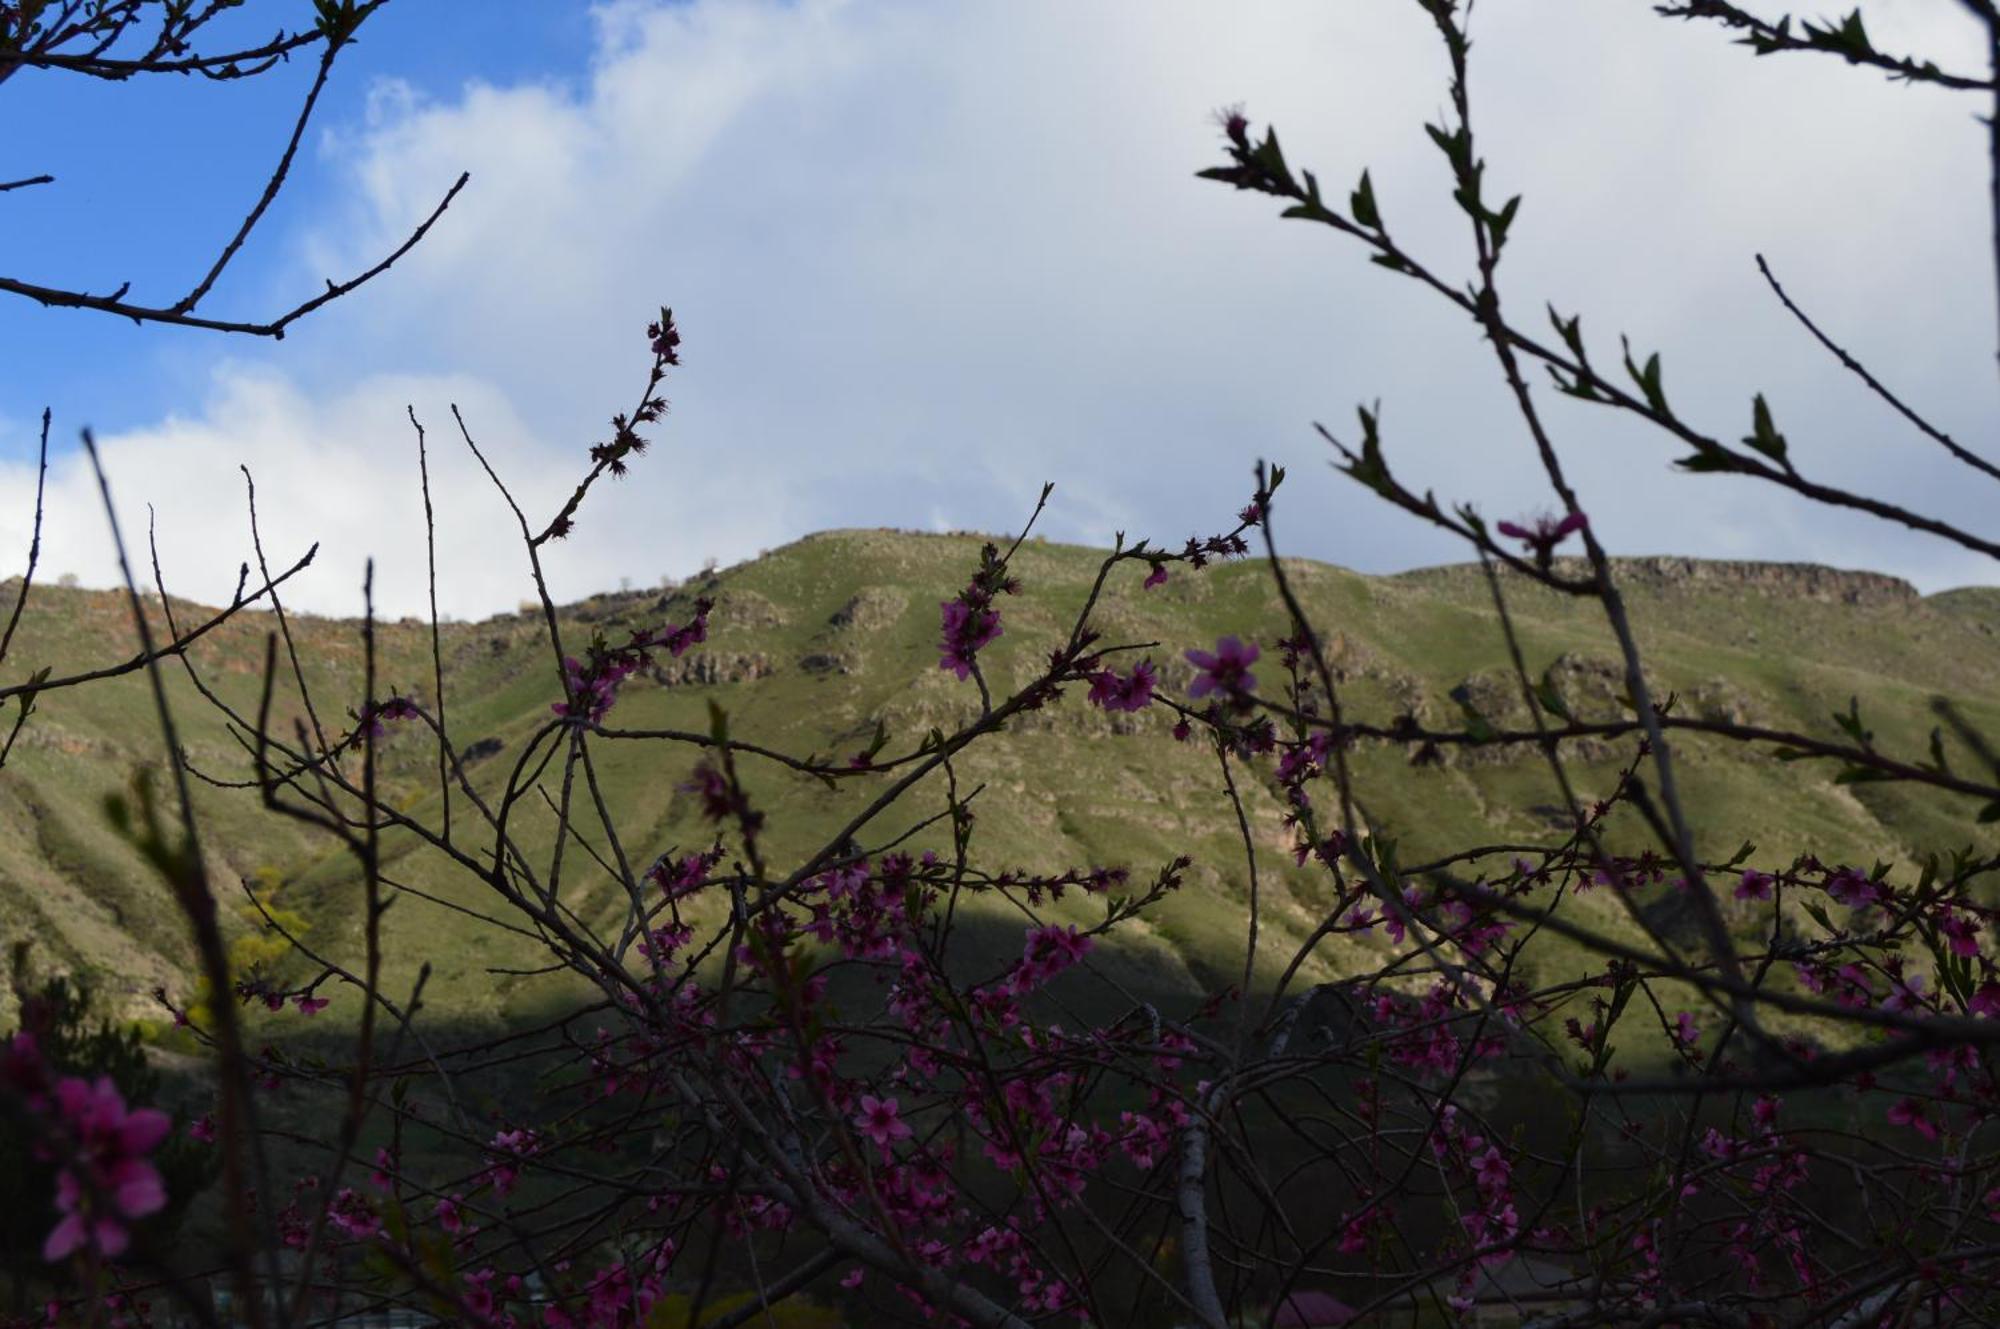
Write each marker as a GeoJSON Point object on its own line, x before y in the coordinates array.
{"type": "Point", "coordinates": [814, 643]}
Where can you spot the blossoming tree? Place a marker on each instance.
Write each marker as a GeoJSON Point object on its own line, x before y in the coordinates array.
{"type": "Point", "coordinates": [804, 1077]}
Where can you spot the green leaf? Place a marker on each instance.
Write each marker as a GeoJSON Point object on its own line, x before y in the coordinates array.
{"type": "Point", "coordinates": [1707, 460]}
{"type": "Point", "coordinates": [1501, 220]}
{"type": "Point", "coordinates": [1362, 204]}
{"type": "Point", "coordinates": [1570, 330]}
{"type": "Point", "coordinates": [1455, 145]}
{"type": "Point", "coordinates": [1573, 387]}
{"type": "Point", "coordinates": [1763, 437]}
{"type": "Point", "coordinates": [1477, 726]}
{"type": "Point", "coordinates": [1850, 724]}
{"type": "Point", "coordinates": [1271, 160]}
{"type": "Point", "coordinates": [1551, 699]}
{"type": "Point", "coordinates": [1648, 379]}
{"type": "Point", "coordinates": [1848, 38]}
{"type": "Point", "coordinates": [1370, 469]}
{"type": "Point", "coordinates": [1938, 762]}
{"type": "Point", "coordinates": [1312, 209]}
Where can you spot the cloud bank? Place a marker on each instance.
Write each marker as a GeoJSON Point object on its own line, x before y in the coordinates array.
{"type": "Point", "coordinates": [928, 256]}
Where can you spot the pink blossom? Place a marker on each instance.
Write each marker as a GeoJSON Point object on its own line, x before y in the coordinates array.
{"type": "Point", "coordinates": [1545, 533]}
{"type": "Point", "coordinates": [879, 1119]}
{"type": "Point", "coordinates": [110, 1142]}
{"type": "Point", "coordinates": [1225, 670]}
{"type": "Point", "coordinates": [1961, 932]}
{"type": "Point", "coordinates": [1850, 887]}
{"type": "Point", "coordinates": [1755, 886]}
{"type": "Point", "coordinates": [1114, 692]}
{"type": "Point", "coordinates": [1909, 1112]}
{"type": "Point", "coordinates": [966, 631]}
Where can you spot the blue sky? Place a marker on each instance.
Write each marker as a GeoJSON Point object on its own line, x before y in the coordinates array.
{"type": "Point", "coordinates": [154, 174]}
{"type": "Point", "coordinates": [927, 256]}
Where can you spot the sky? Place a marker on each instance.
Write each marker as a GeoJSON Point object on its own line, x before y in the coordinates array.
{"type": "Point", "coordinates": [927, 256]}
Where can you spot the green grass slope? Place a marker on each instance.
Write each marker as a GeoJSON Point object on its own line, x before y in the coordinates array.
{"type": "Point", "coordinates": [816, 642]}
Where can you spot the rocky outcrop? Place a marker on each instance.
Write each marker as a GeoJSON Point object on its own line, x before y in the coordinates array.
{"type": "Point", "coordinates": [1669, 573]}
{"type": "Point", "coordinates": [708, 668]}
{"type": "Point", "coordinates": [870, 610]}
{"type": "Point", "coordinates": [827, 662]}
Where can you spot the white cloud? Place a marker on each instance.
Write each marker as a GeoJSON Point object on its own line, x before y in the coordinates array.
{"type": "Point", "coordinates": [342, 472]}
{"type": "Point", "coordinates": [927, 256]}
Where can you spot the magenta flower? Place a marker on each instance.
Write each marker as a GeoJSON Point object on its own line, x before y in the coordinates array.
{"type": "Point", "coordinates": [1157, 577]}
{"type": "Point", "coordinates": [665, 337]}
{"type": "Point", "coordinates": [1961, 933]}
{"type": "Point", "coordinates": [1909, 1112]}
{"type": "Point", "coordinates": [1050, 950]}
{"type": "Point", "coordinates": [309, 1005]}
{"type": "Point", "coordinates": [1754, 886]}
{"type": "Point", "coordinates": [111, 1142]}
{"type": "Point", "coordinates": [1491, 1169]}
{"type": "Point", "coordinates": [1685, 1032]}
{"type": "Point", "coordinates": [1119, 693]}
{"type": "Point", "coordinates": [1225, 670]}
{"type": "Point", "coordinates": [1542, 537]}
{"type": "Point", "coordinates": [880, 1119]}
{"type": "Point", "coordinates": [966, 631]}
{"type": "Point", "coordinates": [1849, 887]}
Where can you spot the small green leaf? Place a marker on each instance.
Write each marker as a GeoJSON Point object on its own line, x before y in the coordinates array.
{"type": "Point", "coordinates": [1499, 221]}
{"type": "Point", "coordinates": [1850, 723]}
{"type": "Point", "coordinates": [1707, 460]}
{"type": "Point", "coordinates": [1763, 437]}
{"type": "Point", "coordinates": [1648, 379]}
{"type": "Point", "coordinates": [1477, 726]}
{"type": "Point", "coordinates": [1362, 204]}
{"type": "Point", "coordinates": [1938, 762]}
{"type": "Point", "coordinates": [1570, 330]}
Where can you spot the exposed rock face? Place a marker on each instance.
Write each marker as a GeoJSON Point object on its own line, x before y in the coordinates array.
{"type": "Point", "coordinates": [1808, 581]}
{"type": "Point", "coordinates": [874, 608]}
{"type": "Point", "coordinates": [1801, 581]}
{"type": "Point", "coordinates": [708, 668]}
{"type": "Point", "coordinates": [480, 751]}
{"type": "Point", "coordinates": [826, 662]}
{"type": "Point", "coordinates": [745, 609]}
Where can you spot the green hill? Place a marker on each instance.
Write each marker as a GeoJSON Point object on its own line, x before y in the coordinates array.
{"type": "Point", "coordinates": [815, 643]}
